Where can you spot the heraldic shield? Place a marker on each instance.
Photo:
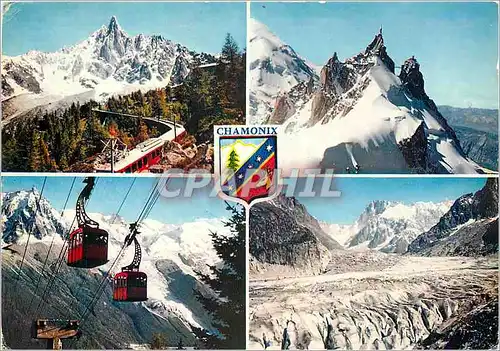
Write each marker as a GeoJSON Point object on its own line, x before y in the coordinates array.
{"type": "Point", "coordinates": [248, 162]}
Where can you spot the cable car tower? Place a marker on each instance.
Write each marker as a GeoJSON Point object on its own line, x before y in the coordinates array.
{"type": "Point", "coordinates": [87, 245]}
{"type": "Point", "coordinates": [114, 149]}
{"type": "Point", "coordinates": [131, 284]}
{"type": "Point", "coordinates": [54, 331]}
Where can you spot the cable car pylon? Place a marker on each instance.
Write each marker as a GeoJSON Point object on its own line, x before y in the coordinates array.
{"type": "Point", "coordinates": [131, 284]}
{"type": "Point", "coordinates": [87, 245]}
{"type": "Point", "coordinates": [54, 331]}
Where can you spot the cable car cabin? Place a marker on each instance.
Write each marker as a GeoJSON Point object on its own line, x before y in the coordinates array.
{"type": "Point", "coordinates": [130, 286]}
{"type": "Point", "coordinates": [87, 247]}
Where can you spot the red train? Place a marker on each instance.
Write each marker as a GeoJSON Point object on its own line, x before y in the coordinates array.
{"type": "Point", "coordinates": [144, 155]}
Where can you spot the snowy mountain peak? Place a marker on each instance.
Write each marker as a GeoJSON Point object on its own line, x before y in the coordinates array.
{"type": "Point", "coordinates": [259, 31]}
{"type": "Point", "coordinates": [107, 63]}
{"type": "Point", "coordinates": [388, 226]}
{"type": "Point", "coordinates": [25, 212]}
{"type": "Point", "coordinates": [403, 131]}
{"type": "Point", "coordinates": [467, 209]}
{"type": "Point", "coordinates": [275, 68]}
{"type": "Point", "coordinates": [376, 207]}
{"type": "Point", "coordinates": [113, 25]}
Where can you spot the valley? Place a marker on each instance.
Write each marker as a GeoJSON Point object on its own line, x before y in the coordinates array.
{"type": "Point", "coordinates": [403, 276]}
{"type": "Point", "coordinates": [394, 307]}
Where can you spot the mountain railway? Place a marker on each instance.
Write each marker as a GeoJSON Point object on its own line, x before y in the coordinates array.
{"type": "Point", "coordinates": [145, 154]}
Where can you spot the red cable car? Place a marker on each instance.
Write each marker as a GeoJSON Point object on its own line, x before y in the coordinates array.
{"type": "Point", "coordinates": [87, 245]}
{"type": "Point", "coordinates": [131, 285]}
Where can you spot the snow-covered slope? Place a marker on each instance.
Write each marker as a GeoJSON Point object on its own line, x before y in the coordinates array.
{"type": "Point", "coordinates": [108, 62]}
{"type": "Point", "coordinates": [274, 69]}
{"type": "Point", "coordinates": [187, 247]}
{"type": "Point", "coordinates": [388, 226]}
{"type": "Point", "coordinates": [20, 216]}
{"type": "Point", "coordinates": [361, 114]}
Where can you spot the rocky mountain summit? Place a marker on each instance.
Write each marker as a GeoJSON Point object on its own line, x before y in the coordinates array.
{"type": "Point", "coordinates": [282, 232]}
{"type": "Point", "coordinates": [108, 62]}
{"type": "Point", "coordinates": [403, 131]}
{"type": "Point", "coordinates": [469, 228]}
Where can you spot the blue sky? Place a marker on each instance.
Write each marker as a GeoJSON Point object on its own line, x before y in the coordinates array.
{"type": "Point", "coordinates": [109, 193]}
{"type": "Point", "coordinates": [356, 193]}
{"type": "Point", "coordinates": [455, 43]}
{"type": "Point", "coordinates": [49, 26]}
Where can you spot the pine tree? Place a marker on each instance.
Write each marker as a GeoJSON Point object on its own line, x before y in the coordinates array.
{"type": "Point", "coordinates": [158, 342]}
{"type": "Point", "coordinates": [228, 281]}
{"type": "Point", "coordinates": [233, 161]}
{"type": "Point", "coordinates": [162, 101]}
{"type": "Point", "coordinates": [47, 164]}
{"type": "Point", "coordinates": [10, 153]}
{"type": "Point", "coordinates": [156, 110]}
{"type": "Point", "coordinates": [230, 50]}
{"type": "Point", "coordinates": [36, 158]}
{"type": "Point", "coordinates": [142, 133]}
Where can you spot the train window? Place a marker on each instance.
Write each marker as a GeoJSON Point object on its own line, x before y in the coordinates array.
{"type": "Point", "coordinates": [127, 170]}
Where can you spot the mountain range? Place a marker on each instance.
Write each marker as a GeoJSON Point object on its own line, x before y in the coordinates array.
{"type": "Point", "coordinates": [403, 130]}
{"type": "Point", "coordinates": [388, 226]}
{"type": "Point", "coordinates": [284, 233]}
{"type": "Point", "coordinates": [108, 62]}
{"type": "Point", "coordinates": [468, 228]}
{"type": "Point", "coordinates": [171, 256]}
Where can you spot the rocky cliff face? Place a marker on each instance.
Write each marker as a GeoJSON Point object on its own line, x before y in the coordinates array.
{"type": "Point", "coordinates": [283, 232]}
{"type": "Point", "coordinates": [468, 228]}
{"type": "Point", "coordinates": [413, 81]}
{"type": "Point", "coordinates": [403, 131]}
{"type": "Point", "coordinates": [481, 146]}
{"type": "Point", "coordinates": [475, 330]}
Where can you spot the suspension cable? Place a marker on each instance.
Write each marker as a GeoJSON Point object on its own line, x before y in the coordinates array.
{"type": "Point", "coordinates": [123, 201]}
{"type": "Point", "coordinates": [89, 307]}
{"type": "Point", "coordinates": [51, 244]}
{"type": "Point", "coordinates": [149, 204]}
{"type": "Point", "coordinates": [29, 233]}
{"type": "Point", "coordinates": [57, 266]}
{"type": "Point", "coordinates": [59, 261]}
